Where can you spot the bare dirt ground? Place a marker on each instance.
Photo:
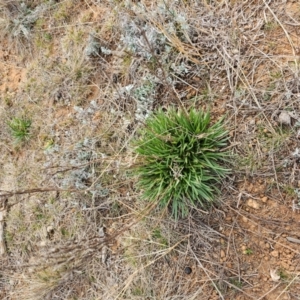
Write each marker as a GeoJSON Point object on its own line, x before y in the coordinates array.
{"type": "Point", "coordinates": [87, 74]}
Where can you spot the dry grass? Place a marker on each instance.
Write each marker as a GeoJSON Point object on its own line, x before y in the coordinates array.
{"type": "Point", "coordinates": [87, 74]}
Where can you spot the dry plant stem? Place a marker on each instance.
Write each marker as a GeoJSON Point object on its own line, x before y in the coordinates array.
{"type": "Point", "coordinates": [228, 283]}
{"type": "Point", "coordinates": [142, 214]}
{"type": "Point", "coordinates": [285, 32]}
{"type": "Point", "coordinates": [66, 169]}
{"type": "Point", "coordinates": [276, 178]}
{"type": "Point", "coordinates": [246, 83]}
{"type": "Point", "coordinates": [266, 56]}
{"type": "Point", "coordinates": [290, 283]}
{"type": "Point", "coordinates": [205, 271]}
{"type": "Point", "coordinates": [271, 240]}
{"type": "Point", "coordinates": [293, 240]}
{"type": "Point", "coordinates": [270, 291]}
{"type": "Point", "coordinates": [177, 97]}
{"type": "Point", "coordinates": [237, 258]}
{"type": "Point", "coordinates": [230, 234]}
{"type": "Point", "coordinates": [3, 211]}
{"type": "Point", "coordinates": [180, 46]}
{"type": "Point", "coordinates": [8, 194]}
{"type": "Point", "coordinates": [179, 101]}
{"type": "Point", "coordinates": [230, 270]}
{"type": "Point", "coordinates": [11, 65]}
{"type": "Point", "coordinates": [71, 252]}
{"type": "Point", "coordinates": [240, 290]}
{"type": "Point", "coordinates": [231, 146]}
{"type": "Point", "coordinates": [86, 2]}
{"type": "Point", "coordinates": [235, 274]}
{"type": "Point", "coordinates": [165, 252]}
{"type": "Point", "coordinates": [292, 24]}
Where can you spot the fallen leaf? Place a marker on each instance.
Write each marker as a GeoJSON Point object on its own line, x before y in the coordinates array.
{"type": "Point", "coordinates": [275, 277]}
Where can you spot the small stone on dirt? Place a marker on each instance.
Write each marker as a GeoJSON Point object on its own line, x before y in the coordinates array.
{"type": "Point", "coordinates": [284, 118]}
{"type": "Point", "coordinates": [187, 270]}
{"type": "Point", "coordinates": [252, 122]}
{"type": "Point", "coordinates": [275, 253]}
{"type": "Point", "coordinates": [101, 232]}
{"type": "Point", "coordinates": [252, 203]}
{"type": "Point", "coordinates": [43, 243]}
{"type": "Point", "coordinates": [264, 199]}
{"type": "Point", "coordinates": [244, 219]}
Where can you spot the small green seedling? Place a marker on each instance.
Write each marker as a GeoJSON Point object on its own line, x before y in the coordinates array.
{"type": "Point", "coordinates": [20, 128]}
{"type": "Point", "coordinates": [248, 251]}
{"type": "Point", "coordinates": [236, 282]}
{"type": "Point", "coordinates": [283, 275]}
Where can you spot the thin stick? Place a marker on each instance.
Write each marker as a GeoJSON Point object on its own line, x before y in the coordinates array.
{"type": "Point", "coordinates": [278, 297]}
{"type": "Point", "coordinates": [2, 217]}
{"type": "Point", "coordinates": [271, 290]}
{"type": "Point", "coordinates": [228, 283]}
{"type": "Point", "coordinates": [205, 271]}
{"type": "Point", "coordinates": [284, 30]}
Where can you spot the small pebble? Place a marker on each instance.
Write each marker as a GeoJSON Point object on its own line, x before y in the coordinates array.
{"type": "Point", "coordinates": [43, 243]}
{"type": "Point", "coordinates": [264, 199]}
{"type": "Point", "coordinates": [275, 253]}
{"type": "Point", "coordinates": [187, 270]}
{"type": "Point", "coordinates": [252, 203]}
{"type": "Point", "coordinates": [245, 219]}
{"type": "Point", "coordinates": [252, 122]}
{"type": "Point", "coordinates": [284, 118]}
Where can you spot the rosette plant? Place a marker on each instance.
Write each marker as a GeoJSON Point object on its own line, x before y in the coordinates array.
{"type": "Point", "coordinates": [181, 159]}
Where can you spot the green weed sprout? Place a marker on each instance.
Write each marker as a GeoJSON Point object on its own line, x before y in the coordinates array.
{"type": "Point", "coordinates": [180, 159]}
{"type": "Point", "coordinates": [20, 128]}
